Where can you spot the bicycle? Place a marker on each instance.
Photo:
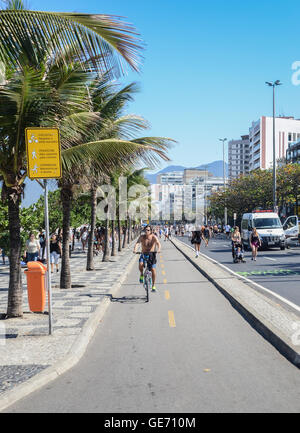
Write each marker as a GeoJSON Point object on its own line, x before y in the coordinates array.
{"type": "Point", "coordinates": [147, 283]}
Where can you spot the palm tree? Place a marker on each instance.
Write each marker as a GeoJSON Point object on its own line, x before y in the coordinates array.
{"type": "Point", "coordinates": [114, 135]}
{"type": "Point", "coordinates": [30, 43]}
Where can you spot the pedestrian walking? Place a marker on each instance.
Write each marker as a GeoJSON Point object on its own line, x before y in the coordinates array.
{"type": "Point", "coordinates": [166, 233]}
{"type": "Point", "coordinates": [206, 235]}
{"type": "Point", "coordinates": [55, 252]}
{"type": "Point", "coordinates": [227, 230]}
{"type": "Point", "coordinates": [2, 252]}
{"type": "Point", "coordinates": [32, 248]}
{"type": "Point", "coordinates": [255, 243]}
{"type": "Point", "coordinates": [84, 237]}
{"type": "Point", "coordinates": [197, 236]}
{"type": "Point", "coordinates": [71, 234]}
{"type": "Point", "coordinates": [3, 245]}
{"type": "Point", "coordinates": [42, 241]}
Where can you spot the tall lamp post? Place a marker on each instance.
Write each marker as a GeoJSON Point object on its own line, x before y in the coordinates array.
{"type": "Point", "coordinates": [224, 178]}
{"type": "Point", "coordinates": [205, 196]}
{"type": "Point", "coordinates": [276, 83]}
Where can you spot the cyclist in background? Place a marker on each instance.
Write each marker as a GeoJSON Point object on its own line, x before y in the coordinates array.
{"type": "Point", "coordinates": [150, 246]}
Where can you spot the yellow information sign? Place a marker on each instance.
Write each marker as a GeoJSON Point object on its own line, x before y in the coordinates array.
{"type": "Point", "coordinates": [43, 153]}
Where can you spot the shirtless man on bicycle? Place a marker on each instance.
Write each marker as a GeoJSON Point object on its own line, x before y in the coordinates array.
{"type": "Point", "coordinates": [149, 242]}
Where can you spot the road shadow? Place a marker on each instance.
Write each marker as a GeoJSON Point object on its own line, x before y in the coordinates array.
{"type": "Point", "coordinates": [129, 299]}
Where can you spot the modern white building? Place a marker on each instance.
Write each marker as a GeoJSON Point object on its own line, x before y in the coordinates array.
{"type": "Point", "coordinates": [287, 131]}
{"type": "Point", "coordinates": [170, 178]}
{"type": "Point", "coordinates": [238, 157]}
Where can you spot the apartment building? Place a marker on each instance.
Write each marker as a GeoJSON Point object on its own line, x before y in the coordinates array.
{"type": "Point", "coordinates": [287, 131]}
{"type": "Point", "coordinates": [190, 174]}
{"type": "Point", "coordinates": [170, 178]}
{"type": "Point", "coordinates": [293, 153]}
{"type": "Point", "coordinates": [238, 157]}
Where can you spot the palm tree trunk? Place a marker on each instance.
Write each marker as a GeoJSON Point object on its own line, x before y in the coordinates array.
{"type": "Point", "coordinates": [65, 275]}
{"type": "Point", "coordinates": [15, 290]}
{"type": "Point", "coordinates": [105, 257]}
{"type": "Point", "coordinates": [113, 240]}
{"type": "Point", "coordinates": [124, 234]}
{"type": "Point", "coordinates": [129, 230]}
{"type": "Point", "coordinates": [90, 255]}
{"type": "Point", "coordinates": [119, 232]}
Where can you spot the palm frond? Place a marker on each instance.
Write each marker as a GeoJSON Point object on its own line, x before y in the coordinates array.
{"type": "Point", "coordinates": [124, 127]}
{"type": "Point", "coordinates": [104, 41]}
{"type": "Point", "coordinates": [113, 153]}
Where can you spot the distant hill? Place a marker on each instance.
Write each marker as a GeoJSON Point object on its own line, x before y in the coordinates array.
{"type": "Point", "coordinates": [215, 167]}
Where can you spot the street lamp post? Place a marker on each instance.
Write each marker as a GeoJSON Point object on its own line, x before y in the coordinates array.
{"type": "Point", "coordinates": [224, 178]}
{"type": "Point", "coordinates": [276, 83]}
{"type": "Point", "coordinates": [205, 196]}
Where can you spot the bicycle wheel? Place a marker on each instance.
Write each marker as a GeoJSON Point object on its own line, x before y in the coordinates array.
{"type": "Point", "coordinates": [147, 280]}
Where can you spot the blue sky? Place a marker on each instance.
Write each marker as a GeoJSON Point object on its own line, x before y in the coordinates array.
{"type": "Point", "coordinates": [205, 67]}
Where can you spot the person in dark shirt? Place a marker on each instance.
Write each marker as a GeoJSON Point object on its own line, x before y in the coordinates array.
{"type": "Point", "coordinates": [55, 252]}
{"type": "Point", "coordinates": [255, 243]}
{"type": "Point", "coordinates": [197, 236]}
{"type": "Point", "coordinates": [206, 234]}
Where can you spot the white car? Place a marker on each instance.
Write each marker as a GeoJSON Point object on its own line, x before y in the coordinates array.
{"type": "Point", "coordinates": [291, 228]}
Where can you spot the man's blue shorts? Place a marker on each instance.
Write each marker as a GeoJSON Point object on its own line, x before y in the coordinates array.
{"type": "Point", "coordinates": [150, 258]}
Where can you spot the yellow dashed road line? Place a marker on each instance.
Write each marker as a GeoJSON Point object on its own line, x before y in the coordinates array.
{"type": "Point", "coordinates": [172, 323]}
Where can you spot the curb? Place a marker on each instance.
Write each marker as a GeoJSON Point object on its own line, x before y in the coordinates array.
{"type": "Point", "coordinates": [73, 356]}
{"type": "Point", "coordinates": [259, 311]}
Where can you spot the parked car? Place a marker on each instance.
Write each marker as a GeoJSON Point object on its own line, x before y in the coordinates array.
{"type": "Point", "coordinates": [291, 228]}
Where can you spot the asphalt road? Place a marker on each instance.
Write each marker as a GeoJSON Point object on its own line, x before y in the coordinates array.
{"type": "Point", "coordinates": [187, 350]}
{"type": "Point", "coordinates": [278, 271]}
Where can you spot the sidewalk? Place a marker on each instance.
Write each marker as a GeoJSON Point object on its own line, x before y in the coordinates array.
{"type": "Point", "coordinates": [279, 325]}
{"type": "Point", "coordinates": [29, 356]}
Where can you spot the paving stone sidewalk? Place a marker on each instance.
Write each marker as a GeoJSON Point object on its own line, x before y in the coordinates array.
{"type": "Point", "coordinates": [26, 348]}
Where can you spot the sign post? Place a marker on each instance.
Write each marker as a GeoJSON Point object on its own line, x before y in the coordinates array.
{"type": "Point", "coordinates": [44, 162]}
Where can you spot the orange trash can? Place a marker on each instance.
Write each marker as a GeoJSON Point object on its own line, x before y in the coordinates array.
{"type": "Point", "coordinates": [36, 289]}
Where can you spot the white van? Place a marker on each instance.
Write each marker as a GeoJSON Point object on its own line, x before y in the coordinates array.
{"type": "Point", "coordinates": [291, 228]}
{"type": "Point", "coordinates": [268, 226]}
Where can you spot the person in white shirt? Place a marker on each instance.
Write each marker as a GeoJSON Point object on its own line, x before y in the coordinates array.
{"type": "Point", "coordinates": [227, 230]}
{"type": "Point", "coordinates": [166, 233]}
{"type": "Point", "coordinates": [84, 237]}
